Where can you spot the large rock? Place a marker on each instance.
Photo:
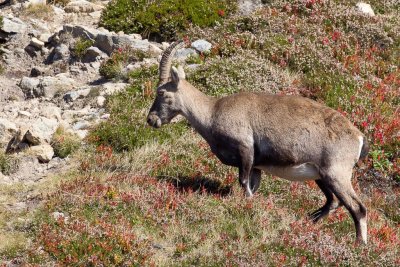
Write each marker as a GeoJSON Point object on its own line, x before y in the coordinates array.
{"type": "Point", "coordinates": [61, 52]}
{"type": "Point", "coordinates": [13, 25]}
{"type": "Point", "coordinates": [47, 86]}
{"type": "Point", "coordinates": [365, 9]}
{"type": "Point", "coordinates": [40, 130]}
{"type": "Point", "coordinates": [43, 152]}
{"type": "Point", "coordinates": [36, 43]}
{"type": "Point", "coordinates": [184, 53]}
{"type": "Point", "coordinates": [112, 88]}
{"type": "Point", "coordinates": [29, 85]}
{"type": "Point", "coordinates": [51, 112]}
{"type": "Point", "coordinates": [74, 95]}
{"type": "Point", "coordinates": [7, 129]}
{"type": "Point", "coordinates": [81, 31]}
{"type": "Point", "coordinates": [82, 6]}
{"type": "Point", "coordinates": [93, 54]}
{"type": "Point", "coordinates": [108, 42]}
{"type": "Point", "coordinates": [202, 46]}
{"type": "Point", "coordinates": [50, 86]}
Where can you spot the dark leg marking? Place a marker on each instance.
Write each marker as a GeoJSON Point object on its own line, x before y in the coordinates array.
{"type": "Point", "coordinates": [331, 203]}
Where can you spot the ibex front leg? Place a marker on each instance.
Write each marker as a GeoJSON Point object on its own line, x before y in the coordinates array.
{"type": "Point", "coordinates": [246, 168]}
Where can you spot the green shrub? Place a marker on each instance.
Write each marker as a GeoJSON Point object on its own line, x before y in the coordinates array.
{"type": "Point", "coordinates": [163, 19]}
{"type": "Point", "coordinates": [8, 164]}
{"type": "Point", "coordinates": [80, 48]}
{"type": "Point", "coordinates": [1, 21]}
{"type": "Point", "coordinates": [113, 67]}
{"type": "Point", "coordinates": [64, 143]}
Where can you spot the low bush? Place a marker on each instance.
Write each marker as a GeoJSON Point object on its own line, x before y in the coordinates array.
{"type": "Point", "coordinates": [64, 143]}
{"type": "Point", "coordinates": [40, 11]}
{"type": "Point", "coordinates": [8, 163]}
{"type": "Point", "coordinates": [163, 19]}
{"type": "Point", "coordinates": [113, 67]}
{"type": "Point", "coordinates": [80, 47]}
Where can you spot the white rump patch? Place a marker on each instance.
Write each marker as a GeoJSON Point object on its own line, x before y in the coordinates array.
{"type": "Point", "coordinates": [301, 172]}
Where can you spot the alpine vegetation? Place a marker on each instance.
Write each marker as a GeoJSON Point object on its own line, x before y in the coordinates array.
{"type": "Point", "coordinates": [292, 137]}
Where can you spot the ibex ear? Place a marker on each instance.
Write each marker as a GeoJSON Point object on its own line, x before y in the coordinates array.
{"type": "Point", "coordinates": [177, 74]}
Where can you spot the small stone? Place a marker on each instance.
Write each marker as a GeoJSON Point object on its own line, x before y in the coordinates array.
{"type": "Point", "coordinates": [100, 101]}
{"type": "Point", "coordinates": [22, 113]}
{"type": "Point", "coordinates": [202, 46]}
{"type": "Point", "coordinates": [81, 125]}
{"type": "Point", "coordinates": [365, 8]}
{"type": "Point", "coordinates": [36, 43]}
{"type": "Point", "coordinates": [31, 51]}
{"type": "Point", "coordinates": [154, 50]}
{"type": "Point", "coordinates": [82, 6]}
{"type": "Point", "coordinates": [60, 52]}
{"type": "Point", "coordinates": [45, 37]}
{"type": "Point", "coordinates": [29, 86]}
{"type": "Point", "coordinates": [165, 45]}
{"type": "Point", "coordinates": [184, 53]}
{"type": "Point", "coordinates": [43, 152]}
{"type": "Point", "coordinates": [105, 116]}
{"type": "Point", "coordinates": [112, 88]}
{"type": "Point", "coordinates": [37, 71]}
{"type": "Point", "coordinates": [93, 54]}
{"type": "Point", "coordinates": [74, 95]}
{"type": "Point", "coordinates": [58, 215]}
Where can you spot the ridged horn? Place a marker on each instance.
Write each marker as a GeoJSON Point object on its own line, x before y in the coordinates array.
{"type": "Point", "coordinates": [166, 61]}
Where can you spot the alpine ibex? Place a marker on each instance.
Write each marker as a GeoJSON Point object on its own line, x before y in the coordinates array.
{"type": "Point", "coordinates": [288, 136]}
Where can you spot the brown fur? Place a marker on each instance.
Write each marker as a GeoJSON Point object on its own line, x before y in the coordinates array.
{"type": "Point", "coordinates": [289, 135]}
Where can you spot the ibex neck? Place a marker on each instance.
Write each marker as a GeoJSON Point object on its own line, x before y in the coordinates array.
{"type": "Point", "coordinates": [197, 109]}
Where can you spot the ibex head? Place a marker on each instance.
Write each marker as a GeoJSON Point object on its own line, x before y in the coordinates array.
{"type": "Point", "coordinates": [167, 103]}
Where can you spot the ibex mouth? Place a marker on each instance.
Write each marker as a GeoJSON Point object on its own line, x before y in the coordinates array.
{"type": "Point", "coordinates": [154, 121]}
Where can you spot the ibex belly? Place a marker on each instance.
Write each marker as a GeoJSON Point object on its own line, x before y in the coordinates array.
{"type": "Point", "coordinates": [301, 172]}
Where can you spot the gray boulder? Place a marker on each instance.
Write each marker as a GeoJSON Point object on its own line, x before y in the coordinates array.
{"type": "Point", "coordinates": [93, 54]}
{"type": "Point", "coordinates": [184, 53]}
{"type": "Point", "coordinates": [202, 46]}
{"type": "Point", "coordinates": [47, 86]}
{"type": "Point", "coordinates": [43, 152]}
{"type": "Point", "coordinates": [82, 6]}
{"type": "Point", "coordinates": [61, 52]}
{"type": "Point", "coordinates": [108, 42]}
{"type": "Point", "coordinates": [13, 25]}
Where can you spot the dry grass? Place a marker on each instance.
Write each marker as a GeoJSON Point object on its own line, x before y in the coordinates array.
{"type": "Point", "coordinates": [178, 206]}
{"type": "Point", "coordinates": [160, 198]}
{"type": "Point", "coordinates": [39, 11]}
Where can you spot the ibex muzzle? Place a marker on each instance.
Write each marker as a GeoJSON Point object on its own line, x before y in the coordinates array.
{"type": "Point", "coordinates": [288, 136]}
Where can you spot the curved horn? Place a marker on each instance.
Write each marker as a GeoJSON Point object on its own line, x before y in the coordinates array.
{"type": "Point", "coordinates": [166, 61]}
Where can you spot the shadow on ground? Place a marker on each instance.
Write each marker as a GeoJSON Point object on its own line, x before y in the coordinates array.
{"type": "Point", "coordinates": [200, 184]}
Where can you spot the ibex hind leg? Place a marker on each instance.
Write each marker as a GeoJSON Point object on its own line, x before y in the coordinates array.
{"type": "Point", "coordinates": [339, 183]}
{"type": "Point", "coordinates": [331, 204]}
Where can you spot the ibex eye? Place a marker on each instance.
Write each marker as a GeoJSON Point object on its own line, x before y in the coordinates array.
{"type": "Point", "coordinates": [160, 93]}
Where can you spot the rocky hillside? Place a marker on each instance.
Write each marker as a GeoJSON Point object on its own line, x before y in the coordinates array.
{"type": "Point", "coordinates": [77, 79]}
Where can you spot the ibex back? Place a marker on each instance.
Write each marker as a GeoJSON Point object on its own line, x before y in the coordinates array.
{"type": "Point", "coordinates": [288, 136]}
